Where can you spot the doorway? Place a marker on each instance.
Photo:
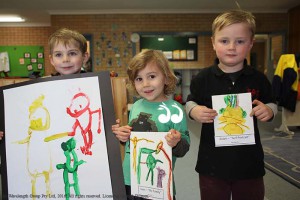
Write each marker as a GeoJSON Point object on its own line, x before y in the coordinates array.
{"type": "Point", "coordinates": [259, 51]}
{"type": "Point", "coordinates": [266, 52]}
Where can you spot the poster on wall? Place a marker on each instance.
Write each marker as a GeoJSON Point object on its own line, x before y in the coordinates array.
{"type": "Point", "coordinates": [151, 165]}
{"type": "Point", "coordinates": [58, 140]}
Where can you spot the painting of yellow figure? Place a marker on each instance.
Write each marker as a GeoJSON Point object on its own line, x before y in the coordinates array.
{"type": "Point", "coordinates": [152, 157]}
{"type": "Point", "coordinates": [37, 128]}
{"type": "Point", "coordinates": [233, 116]}
{"type": "Point", "coordinates": [39, 122]}
{"type": "Point", "coordinates": [134, 142]}
{"type": "Point", "coordinates": [233, 125]}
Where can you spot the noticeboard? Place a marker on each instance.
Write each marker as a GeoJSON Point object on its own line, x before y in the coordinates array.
{"type": "Point", "coordinates": [21, 61]}
{"type": "Point", "coordinates": [175, 47]}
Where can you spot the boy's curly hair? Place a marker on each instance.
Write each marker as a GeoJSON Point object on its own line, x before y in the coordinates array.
{"type": "Point", "coordinates": [139, 62]}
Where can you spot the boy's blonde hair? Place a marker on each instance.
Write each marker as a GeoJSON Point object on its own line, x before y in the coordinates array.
{"type": "Point", "coordinates": [139, 62]}
{"type": "Point", "coordinates": [233, 17]}
{"type": "Point", "coordinates": [67, 36]}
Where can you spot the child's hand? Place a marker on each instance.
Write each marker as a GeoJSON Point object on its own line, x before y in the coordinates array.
{"type": "Point", "coordinates": [173, 138]}
{"type": "Point", "coordinates": [261, 111]}
{"type": "Point", "coordinates": [123, 132]}
{"type": "Point", "coordinates": [203, 114]}
{"type": "Point", "coordinates": [1, 135]}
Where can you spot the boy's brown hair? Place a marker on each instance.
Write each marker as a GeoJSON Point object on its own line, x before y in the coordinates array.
{"type": "Point", "coordinates": [67, 36]}
{"type": "Point", "coordinates": [139, 62]}
{"type": "Point", "coordinates": [233, 17]}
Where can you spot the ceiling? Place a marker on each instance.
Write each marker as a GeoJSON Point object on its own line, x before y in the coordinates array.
{"type": "Point", "coordinates": [37, 12]}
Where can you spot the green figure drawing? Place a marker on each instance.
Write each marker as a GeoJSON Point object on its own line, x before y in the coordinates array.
{"type": "Point", "coordinates": [70, 166]}
{"type": "Point", "coordinates": [150, 162]}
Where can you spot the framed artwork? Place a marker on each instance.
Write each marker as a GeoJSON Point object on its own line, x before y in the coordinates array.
{"type": "Point", "coordinates": [233, 125]}
{"type": "Point", "coordinates": [21, 61]}
{"type": "Point", "coordinates": [27, 55]}
{"type": "Point", "coordinates": [192, 40]}
{"type": "Point", "coordinates": [168, 54]}
{"type": "Point", "coordinates": [182, 54]}
{"type": "Point", "coordinates": [190, 54]}
{"type": "Point", "coordinates": [29, 67]}
{"type": "Point", "coordinates": [40, 55]}
{"type": "Point", "coordinates": [62, 146]}
{"type": "Point", "coordinates": [151, 165]}
{"type": "Point", "coordinates": [176, 54]}
{"type": "Point", "coordinates": [40, 66]}
{"type": "Point", "coordinates": [33, 60]}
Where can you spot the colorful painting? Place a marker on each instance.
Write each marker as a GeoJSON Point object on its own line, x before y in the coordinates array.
{"type": "Point", "coordinates": [233, 125]}
{"type": "Point", "coordinates": [57, 137]}
{"type": "Point", "coordinates": [151, 165]}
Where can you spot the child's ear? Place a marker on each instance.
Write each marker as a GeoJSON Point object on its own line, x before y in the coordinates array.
{"type": "Point", "coordinates": [85, 57]}
{"type": "Point", "coordinates": [213, 42]}
{"type": "Point", "coordinates": [252, 42]}
{"type": "Point", "coordinates": [51, 59]}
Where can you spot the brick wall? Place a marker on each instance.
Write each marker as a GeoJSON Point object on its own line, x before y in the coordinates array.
{"type": "Point", "coordinates": [116, 24]}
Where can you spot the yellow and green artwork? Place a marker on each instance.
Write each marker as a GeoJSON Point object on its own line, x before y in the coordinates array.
{"type": "Point", "coordinates": [151, 165]}
{"type": "Point", "coordinates": [233, 125]}
{"type": "Point", "coordinates": [56, 144]}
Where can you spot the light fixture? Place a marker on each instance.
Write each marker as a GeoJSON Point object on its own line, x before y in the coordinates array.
{"type": "Point", "coordinates": [10, 18]}
{"type": "Point", "coordinates": [161, 39]}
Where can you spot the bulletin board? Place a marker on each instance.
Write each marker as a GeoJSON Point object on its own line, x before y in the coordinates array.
{"type": "Point", "coordinates": [23, 60]}
{"type": "Point", "coordinates": [175, 47]}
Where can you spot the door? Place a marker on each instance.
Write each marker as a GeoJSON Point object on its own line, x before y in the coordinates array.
{"type": "Point", "coordinates": [277, 44]}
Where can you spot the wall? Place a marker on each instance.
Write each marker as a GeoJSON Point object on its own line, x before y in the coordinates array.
{"type": "Point", "coordinates": [18, 36]}
{"type": "Point", "coordinates": [110, 24]}
{"type": "Point", "coordinates": [294, 30]}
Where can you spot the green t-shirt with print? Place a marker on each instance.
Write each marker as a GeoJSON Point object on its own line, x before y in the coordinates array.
{"type": "Point", "coordinates": [148, 116]}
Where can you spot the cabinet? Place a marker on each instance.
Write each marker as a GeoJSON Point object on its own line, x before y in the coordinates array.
{"type": "Point", "coordinates": [119, 91]}
{"type": "Point", "coordinates": [8, 81]}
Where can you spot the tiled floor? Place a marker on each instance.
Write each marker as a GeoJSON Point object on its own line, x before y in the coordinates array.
{"type": "Point", "coordinates": [186, 179]}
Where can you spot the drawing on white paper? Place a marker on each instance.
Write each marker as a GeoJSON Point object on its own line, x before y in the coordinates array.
{"type": "Point", "coordinates": [233, 118]}
{"type": "Point", "coordinates": [152, 158]}
{"type": "Point", "coordinates": [55, 157]}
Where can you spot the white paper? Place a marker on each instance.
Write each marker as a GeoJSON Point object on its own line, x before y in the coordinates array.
{"type": "Point", "coordinates": [151, 166]}
{"type": "Point", "coordinates": [40, 156]}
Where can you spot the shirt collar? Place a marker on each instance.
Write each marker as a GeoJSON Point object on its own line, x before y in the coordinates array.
{"type": "Point", "coordinates": [247, 70]}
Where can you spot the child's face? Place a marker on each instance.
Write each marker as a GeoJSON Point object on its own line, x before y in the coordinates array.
{"type": "Point", "coordinates": [232, 44]}
{"type": "Point", "coordinates": [150, 83]}
{"type": "Point", "coordinates": [67, 59]}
